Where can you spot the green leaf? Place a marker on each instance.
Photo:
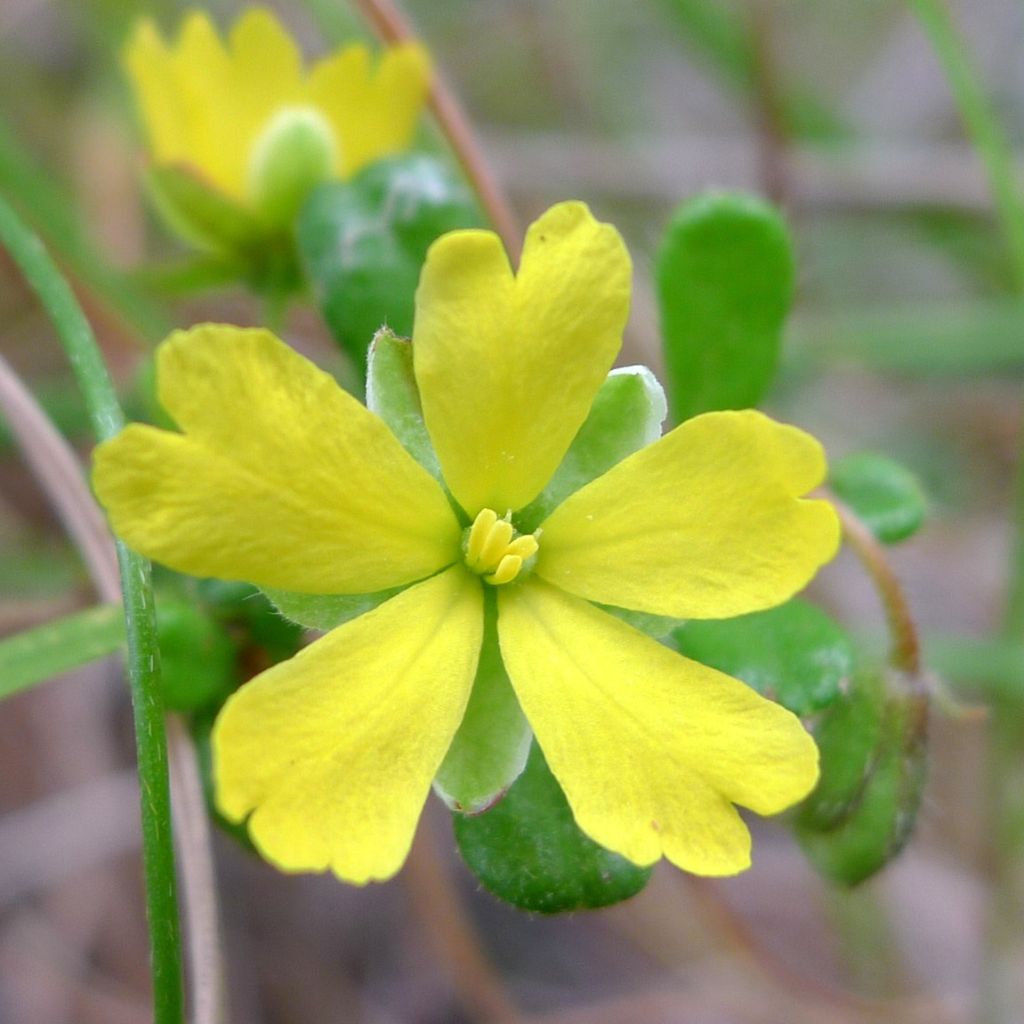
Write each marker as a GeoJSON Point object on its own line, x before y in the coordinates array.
{"type": "Point", "coordinates": [627, 415]}
{"type": "Point", "coordinates": [363, 242]}
{"type": "Point", "coordinates": [725, 282]}
{"type": "Point", "coordinates": [883, 493]}
{"type": "Point", "coordinates": [794, 654]}
{"type": "Point", "coordinates": [528, 850]}
{"type": "Point", "coordinates": [325, 611]}
{"type": "Point", "coordinates": [848, 737]}
{"type": "Point", "coordinates": [878, 824]}
{"type": "Point", "coordinates": [39, 654]}
{"type": "Point", "coordinates": [197, 656]}
{"type": "Point", "coordinates": [490, 749]}
{"type": "Point", "coordinates": [392, 393]}
{"type": "Point", "coordinates": [242, 609]}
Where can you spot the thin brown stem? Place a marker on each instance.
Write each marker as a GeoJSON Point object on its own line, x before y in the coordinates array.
{"type": "Point", "coordinates": [743, 940]}
{"type": "Point", "coordinates": [393, 27]}
{"type": "Point", "coordinates": [905, 654]}
{"type": "Point", "coordinates": [769, 116]}
{"type": "Point", "coordinates": [439, 907]}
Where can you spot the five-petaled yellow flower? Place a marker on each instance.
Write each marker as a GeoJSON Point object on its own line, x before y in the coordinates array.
{"type": "Point", "coordinates": [280, 478]}
{"type": "Point", "coordinates": [253, 124]}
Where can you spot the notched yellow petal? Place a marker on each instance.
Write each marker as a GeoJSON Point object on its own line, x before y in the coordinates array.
{"type": "Point", "coordinates": [333, 752]}
{"type": "Point", "coordinates": [280, 478]}
{"type": "Point", "coordinates": [707, 522]}
{"type": "Point", "coordinates": [651, 749]}
{"type": "Point", "coordinates": [508, 365]}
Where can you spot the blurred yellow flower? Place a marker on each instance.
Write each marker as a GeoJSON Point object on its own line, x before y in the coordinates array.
{"type": "Point", "coordinates": [282, 479]}
{"type": "Point", "coordinates": [250, 121]}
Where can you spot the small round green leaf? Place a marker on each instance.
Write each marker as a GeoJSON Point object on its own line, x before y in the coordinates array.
{"type": "Point", "coordinates": [724, 277]}
{"type": "Point", "coordinates": [528, 850]}
{"type": "Point", "coordinates": [363, 242]}
{"type": "Point", "coordinates": [794, 654]}
{"type": "Point", "coordinates": [883, 493]}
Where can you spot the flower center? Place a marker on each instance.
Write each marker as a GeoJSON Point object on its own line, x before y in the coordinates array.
{"type": "Point", "coordinates": [494, 550]}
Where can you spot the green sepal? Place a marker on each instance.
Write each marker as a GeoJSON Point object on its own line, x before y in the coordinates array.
{"type": "Point", "coordinates": [627, 415]}
{"type": "Point", "coordinates": [658, 627]}
{"type": "Point", "coordinates": [364, 241]}
{"type": "Point", "coordinates": [795, 653]}
{"type": "Point", "coordinates": [490, 749]}
{"type": "Point", "coordinates": [529, 851]}
{"type": "Point", "coordinates": [325, 611]}
{"type": "Point", "coordinates": [199, 213]}
{"type": "Point", "coordinates": [877, 825]}
{"type": "Point", "coordinates": [724, 276]}
{"type": "Point", "coordinates": [392, 393]}
{"type": "Point", "coordinates": [262, 254]}
{"type": "Point", "coordinates": [886, 496]}
{"type": "Point", "coordinates": [197, 656]}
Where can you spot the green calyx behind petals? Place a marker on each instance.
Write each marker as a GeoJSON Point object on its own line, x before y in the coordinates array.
{"type": "Point", "coordinates": [627, 415]}
{"type": "Point", "coordinates": [243, 245]}
{"type": "Point", "coordinates": [392, 394]}
{"type": "Point", "coordinates": [493, 742]}
{"type": "Point", "coordinates": [325, 611]}
{"type": "Point", "coordinates": [294, 153]}
{"type": "Point", "coordinates": [200, 214]}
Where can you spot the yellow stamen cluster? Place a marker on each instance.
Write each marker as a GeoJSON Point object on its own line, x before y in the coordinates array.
{"type": "Point", "coordinates": [495, 551]}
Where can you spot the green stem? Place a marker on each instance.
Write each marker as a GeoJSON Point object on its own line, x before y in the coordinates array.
{"type": "Point", "coordinates": [1002, 982]}
{"type": "Point", "coordinates": [982, 125]}
{"type": "Point", "coordinates": [143, 656]}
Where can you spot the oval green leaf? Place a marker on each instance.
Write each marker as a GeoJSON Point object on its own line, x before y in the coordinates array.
{"type": "Point", "coordinates": [724, 278]}
{"type": "Point", "coordinates": [794, 654]}
{"type": "Point", "coordinates": [528, 850]}
{"type": "Point", "coordinates": [884, 494]}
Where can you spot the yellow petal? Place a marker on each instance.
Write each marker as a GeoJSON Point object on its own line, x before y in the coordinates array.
{"type": "Point", "coordinates": [280, 478]}
{"type": "Point", "coordinates": [150, 69]}
{"type": "Point", "coordinates": [373, 110]}
{"type": "Point", "coordinates": [202, 75]}
{"type": "Point", "coordinates": [705, 523]}
{"type": "Point", "coordinates": [651, 749]}
{"type": "Point", "coordinates": [267, 76]}
{"type": "Point", "coordinates": [508, 366]}
{"type": "Point", "coordinates": [334, 751]}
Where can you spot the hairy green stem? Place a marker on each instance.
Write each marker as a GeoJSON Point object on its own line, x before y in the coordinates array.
{"type": "Point", "coordinates": [143, 656]}
{"type": "Point", "coordinates": [1002, 982]}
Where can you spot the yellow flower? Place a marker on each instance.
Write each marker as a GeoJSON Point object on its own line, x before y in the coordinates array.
{"type": "Point", "coordinates": [282, 479]}
{"type": "Point", "coordinates": [253, 124]}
